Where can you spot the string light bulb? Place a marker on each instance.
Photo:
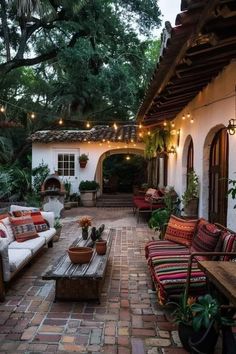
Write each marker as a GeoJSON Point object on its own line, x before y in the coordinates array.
{"type": "Point", "coordinates": [60, 121]}
{"type": "Point", "coordinates": [87, 125]}
{"type": "Point", "coordinates": [188, 115]}
{"type": "Point", "coordinates": [183, 117]}
{"type": "Point", "coordinates": [127, 157]}
{"type": "Point", "coordinates": [115, 126]}
{"type": "Point", "coordinates": [192, 120]}
{"type": "Point", "coordinates": [172, 124]}
{"type": "Point", "coordinates": [165, 123]}
{"type": "Point", "coordinates": [2, 109]}
{"type": "Point", "coordinates": [32, 115]}
{"type": "Point", "coordinates": [140, 126]}
{"type": "Point", "coordinates": [149, 133]}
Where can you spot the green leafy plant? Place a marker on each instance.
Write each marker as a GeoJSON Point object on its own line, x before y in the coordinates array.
{"type": "Point", "coordinates": [192, 190]}
{"type": "Point", "coordinates": [88, 185]}
{"type": "Point", "coordinates": [57, 223]}
{"type": "Point", "coordinates": [199, 312]}
{"type": "Point", "coordinates": [83, 157]}
{"type": "Point", "coordinates": [232, 190]}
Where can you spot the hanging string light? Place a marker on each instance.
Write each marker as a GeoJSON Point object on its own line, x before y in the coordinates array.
{"type": "Point", "coordinates": [2, 109]}
{"type": "Point", "coordinates": [87, 125]}
{"type": "Point", "coordinates": [115, 126]}
{"type": "Point", "coordinates": [188, 115]}
{"type": "Point", "coordinates": [140, 126]}
{"type": "Point", "coordinates": [60, 121]}
{"type": "Point", "coordinates": [165, 123]}
{"type": "Point", "coordinates": [32, 115]}
{"type": "Point", "coordinates": [192, 120]}
{"type": "Point", "coordinates": [183, 117]}
{"type": "Point", "coordinates": [172, 124]}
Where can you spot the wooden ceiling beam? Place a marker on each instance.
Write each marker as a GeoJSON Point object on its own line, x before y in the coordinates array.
{"type": "Point", "coordinates": [223, 43]}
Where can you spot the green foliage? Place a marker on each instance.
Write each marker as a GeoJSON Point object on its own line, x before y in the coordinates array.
{"type": "Point", "coordinates": [88, 185]}
{"type": "Point", "coordinates": [39, 174]}
{"type": "Point", "coordinates": [232, 190]}
{"type": "Point", "coordinates": [158, 141]}
{"type": "Point", "coordinates": [83, 157]}
{"type": "Point", "coordinates": [199, 312]}
{"type": "Point", "coordinates": [192, 190]}
{"type": "Point", "coordinates": [57, 223]}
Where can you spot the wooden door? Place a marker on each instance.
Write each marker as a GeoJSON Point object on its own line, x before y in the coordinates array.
{"type": "Point", "coordinates": [190, 159]}
{"type": "Point", "coordinates": [218, 178]}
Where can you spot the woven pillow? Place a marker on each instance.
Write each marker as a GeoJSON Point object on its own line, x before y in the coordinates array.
{"type": "Point", "coordinates": [18, 213]}
{"type": "Point", "coordinates": [23, 228]}
{"type": "Point", "coordinates": [180, 230]}
{"type": "Point", "coordinates": [149, 194]}
{"type": "Point", "coordinates": [39, 222]}
{"type": "Point", "coordinates": [207, 239]}
{"type": "Point", "coordinates": [228, 244]}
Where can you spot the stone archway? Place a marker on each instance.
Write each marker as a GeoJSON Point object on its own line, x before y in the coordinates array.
{"type": "Point", "coordinates": [125, 151]}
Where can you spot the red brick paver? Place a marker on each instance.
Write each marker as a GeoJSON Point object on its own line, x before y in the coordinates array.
{"type": "Point", "coordinates": [127, 321]}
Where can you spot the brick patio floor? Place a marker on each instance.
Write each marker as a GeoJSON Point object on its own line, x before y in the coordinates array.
{"type": "Point", "coordinates": [128, 319]}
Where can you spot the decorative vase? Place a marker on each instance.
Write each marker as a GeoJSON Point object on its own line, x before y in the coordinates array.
{"type": "Point", "coordinates": [83, 164]}
{"type": "Point", "coordinates": [202, 341]}
{"type": "Point", "coordinates": [84, 233]}
{"type": "Point", "coordinates": [101, 247]}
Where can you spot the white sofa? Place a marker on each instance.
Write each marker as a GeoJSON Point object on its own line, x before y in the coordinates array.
{"type": "Point", "coordinates": [15, 255]}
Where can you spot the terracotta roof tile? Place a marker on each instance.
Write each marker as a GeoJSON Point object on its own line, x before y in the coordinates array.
{"type": "Point", "coordinates": [124, 133]}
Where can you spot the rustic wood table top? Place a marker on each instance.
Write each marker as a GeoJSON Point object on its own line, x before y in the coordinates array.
{"type": "Point", "coordinates": [63, 268]}
{"type": "Point", "coordinates": [223, 275]}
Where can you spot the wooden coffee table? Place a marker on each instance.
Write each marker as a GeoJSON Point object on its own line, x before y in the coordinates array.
{"type": "Point", "coordinates": [75, 282]}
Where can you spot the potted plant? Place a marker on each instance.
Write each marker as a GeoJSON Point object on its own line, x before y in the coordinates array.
{"type": "Point", "coordinates": [84, 223]}
{"type": "Point", "coordinates": [190, 198]}
{"type": "Point", "coordinates": [199, 320]}
{"type": "Point", "coordinates": [58, 227]}
{"type": "Point", "coordinates": [88, 192]}
{"type": "Point", "coordinates": [83, 158]}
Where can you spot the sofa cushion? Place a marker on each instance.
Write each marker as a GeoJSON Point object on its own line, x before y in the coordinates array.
{"type": "Point", "coordinates": [7, 225]}
{"type": "Point", "coordinates": [18, 257]}
{"type": "Point", "coordinates": [3, 234]}
{"type": "Point", "coordinates": [207, 239]}
{"type": "Point", "coordinates": [39, 222]}
{"type": "Point", "coordinates": [228, 244]}
{"type": "Point", "coordinates": [162, 246]}
{"type": "Point", "coordinates": [23, 228]}
{"type": "Point", "coordinates": [49, 217]}
{"type": "Point", "coordinates": [180, 230]}
{"type": "Point", "coordinates": [170, 276]}
{"type": "Point", "coordinates": [22, 207]}
{"type": "Point", "coordinates": [48, 235]}
{"type": "Point", "coordinates": [3, 216]}
{"type": "Point", "coordinates": [33, 245]}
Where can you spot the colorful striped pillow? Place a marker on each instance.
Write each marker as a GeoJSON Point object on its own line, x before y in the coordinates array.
{"type": "Point", "coordinates": [180, 230]}
{"type": "Point", "coordinates": [206, 239]}
{"type": "Point", "coordinates": [39, 222]}
{"type": "Point", "coordinates": [23, 228]}
{"type": "Point", "coordinates": [228, 244]}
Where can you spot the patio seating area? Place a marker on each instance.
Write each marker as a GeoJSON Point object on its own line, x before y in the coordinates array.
{"type": "Point", "coordinates": [128, 319]}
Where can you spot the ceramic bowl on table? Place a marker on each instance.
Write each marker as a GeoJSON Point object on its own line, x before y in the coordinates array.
{"type": "Point", "coordinates": [80, 255]}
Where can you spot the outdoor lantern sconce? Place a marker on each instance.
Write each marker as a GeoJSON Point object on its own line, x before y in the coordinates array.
{"type": "Point", "coordinates": [231, 128]}
{"type": "Point", "coordinates": [172, 150]}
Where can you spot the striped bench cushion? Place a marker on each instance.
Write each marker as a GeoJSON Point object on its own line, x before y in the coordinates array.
{"type": "Point", "coordinates": [170, 278]}
{"type": "Point", "coordinates": [164, 246]}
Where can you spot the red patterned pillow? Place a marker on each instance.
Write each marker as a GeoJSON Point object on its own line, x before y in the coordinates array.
{"type": "Point", "coordinates": [39, 222]}
{"type": "Point", "coordinates": [3, 234]}
{"type": "Point", "coordinates": [150, 192]}
{"type": "Point", "coordinates": [206, 239]}
{"type": "Point", "coordinates": [180, 230]}
{"type": "Point", "coordinates": [3, 216]}
{"type": "Point", "coordinates": [23, 228]}
{"type": "Point", "coordinates": [18, 213]}
{"type": "Point", "coordinates": [228, 244]}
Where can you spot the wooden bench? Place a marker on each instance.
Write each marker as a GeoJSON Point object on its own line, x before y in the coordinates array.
{"type": "Point", "coordinates": [75, 282]}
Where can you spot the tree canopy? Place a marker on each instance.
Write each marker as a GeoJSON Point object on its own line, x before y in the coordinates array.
{"type": "Point", "coordinates": [80, 60]}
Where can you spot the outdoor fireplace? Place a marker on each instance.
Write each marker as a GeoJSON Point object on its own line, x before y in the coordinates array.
{"type": "Point", "coordinates": [53, 194]}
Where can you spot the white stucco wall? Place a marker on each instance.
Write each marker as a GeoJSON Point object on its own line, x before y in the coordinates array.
{"type": "Point", "coordinates": [211, 109]}
{"type": "Point", "coordinates": [47, 153]}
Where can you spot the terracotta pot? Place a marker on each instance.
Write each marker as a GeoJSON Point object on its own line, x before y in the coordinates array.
{"type": "Point", "coordinates": [101, 247]}
{"type": "Point", "coordinates": [80, 255]}
{"type": "Point", "coordinates": [82, 164]}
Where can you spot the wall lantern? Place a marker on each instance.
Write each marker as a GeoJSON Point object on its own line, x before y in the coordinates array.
{"type": "Point", "coordinates": [231, 128]}
{"type": "Point", "coordinates": [172, 150]}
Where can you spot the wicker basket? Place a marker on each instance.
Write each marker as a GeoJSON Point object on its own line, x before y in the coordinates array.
{"type": "Point", "coordinates": [80, 255]}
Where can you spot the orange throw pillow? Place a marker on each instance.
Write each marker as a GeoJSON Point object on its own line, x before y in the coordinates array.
{"type": "Point", "coordinates": [23, 228]}
{"type": "Point", "coordinates": [180, 230]}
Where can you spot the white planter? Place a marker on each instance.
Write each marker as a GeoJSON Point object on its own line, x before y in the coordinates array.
{"type": "Point", "coordinates": [88, 198]}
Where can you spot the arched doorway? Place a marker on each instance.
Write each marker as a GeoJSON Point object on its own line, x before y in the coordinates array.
{"type": "Point", "coordinates": [121, 172]}
{"type": "Point", "coordinates": [218, 177]}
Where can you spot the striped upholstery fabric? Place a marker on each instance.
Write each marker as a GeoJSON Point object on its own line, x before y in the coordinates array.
{"type": "Point", "coordinates": [228, 244]}
{"type": "Point", "coordinates": [170, 274]}
{"type": "Point", "coordinates": [180, 230]}
{"type": "Point", "coordinates": [39, 222]}
{"type": "Point", "coordinates": [206, 239]}
{"type": "Point", "coordinates": [23, 228]}
{"type": "Point", "coordinates": [153, 248]}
